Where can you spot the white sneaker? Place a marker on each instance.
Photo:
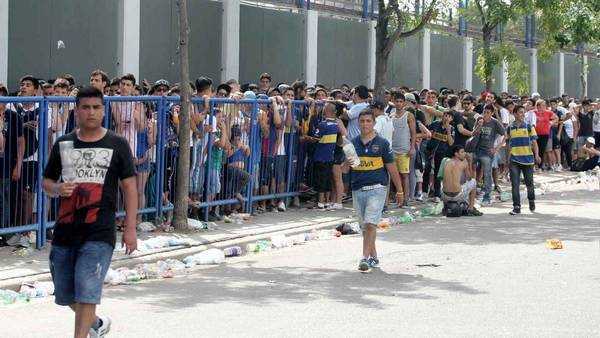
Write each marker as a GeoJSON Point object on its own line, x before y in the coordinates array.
{"type": "Point", "coordinates": [336, 206]}
{"type": "Point", "coordinates": [320, 206]}
{"type": "Point", "coordinates": [102, 330]}
{"type": "Point", "coordinates": [281, 206]}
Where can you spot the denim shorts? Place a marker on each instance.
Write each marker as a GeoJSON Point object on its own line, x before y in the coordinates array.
{"type": "Point", "coordinates": [78, 272]}
{"type": "Point", "coordinates": [368, 205]}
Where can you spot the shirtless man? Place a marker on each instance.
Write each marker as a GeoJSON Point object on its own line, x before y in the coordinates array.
{"type": "Point", "coordinates": [459, 183]}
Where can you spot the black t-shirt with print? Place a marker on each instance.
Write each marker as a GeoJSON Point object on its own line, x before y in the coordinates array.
{"type": "Point", "coordinates": [89, 213]}
{"type": "Point", "coordinates": [458, 119]}
{"type": "Point", "coordinates": [12, 131]}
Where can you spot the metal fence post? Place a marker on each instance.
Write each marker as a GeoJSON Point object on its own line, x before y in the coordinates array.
{"type": "Point", "coordinates": [42, 150]}
{"type": "Point", "coordinates": [160, 160]}
{"type": "Point", "coordinates": [253, 138]}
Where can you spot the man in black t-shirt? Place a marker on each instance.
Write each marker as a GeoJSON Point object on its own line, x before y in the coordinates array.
{"type": "Point", "coordinates": [92, 162]}
{"type": "Point", "coordinates": [12, 148]}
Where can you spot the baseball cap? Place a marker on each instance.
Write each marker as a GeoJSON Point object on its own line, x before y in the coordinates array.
{"type": "Point", "coordinates": [535, 94]}
{"type": "Point", "coordinates": [249, 95]}
{"type": "Point", "coordinates": [377, 104]}
{"type": "Point", "coordinates": [225, 87]}
{"type": "Point", "coordinates": [591, 140]}
{"type": "Point", "coordinates": [162, 82]}
{"type": "Point", "coordinates": [262, 97]}
{"type": "Point", "coordinates": [410, 97]}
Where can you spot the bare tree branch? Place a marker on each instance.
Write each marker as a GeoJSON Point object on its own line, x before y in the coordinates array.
{"type": "Point", "coordinates": [398, 33]}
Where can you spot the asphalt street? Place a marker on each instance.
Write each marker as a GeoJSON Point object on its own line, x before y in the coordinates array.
{"type": "Point", "coordinates": [467, 277]}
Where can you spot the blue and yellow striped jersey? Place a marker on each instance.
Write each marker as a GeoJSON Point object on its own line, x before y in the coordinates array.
{"type": "Point", "coordinates": [521, 136]}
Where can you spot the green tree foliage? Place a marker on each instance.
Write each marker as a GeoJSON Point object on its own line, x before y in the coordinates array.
{"type": "Point", "coordinates": [491, 14]}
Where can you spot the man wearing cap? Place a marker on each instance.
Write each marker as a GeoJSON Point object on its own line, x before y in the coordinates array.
{"type": "Point", "coordinates": [264, 82]}
{"type": "Point", "coordinates": [591, 150]}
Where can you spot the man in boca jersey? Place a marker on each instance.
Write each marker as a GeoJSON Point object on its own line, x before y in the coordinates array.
{"type": "Point", "coordinates": [369, 182]}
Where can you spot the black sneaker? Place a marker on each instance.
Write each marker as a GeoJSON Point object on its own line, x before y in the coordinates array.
{"type": "Point", "coordinates": [363, 266]}
{"type": "Point", "coordinates": [373, 262]}
{"type": "Point", "coordinates": [515, 211]}
{"type": "Point", "coordinates": [532, 205]}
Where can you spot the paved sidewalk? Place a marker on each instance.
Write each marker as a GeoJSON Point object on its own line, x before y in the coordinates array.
{"type": "Point", "coordinates": [35, 263]}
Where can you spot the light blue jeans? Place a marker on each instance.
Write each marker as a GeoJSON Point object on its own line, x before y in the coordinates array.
{"type": "Point", "coordinates": [485, 162]}
{"type": "Point", "coordinates": [368, 205]}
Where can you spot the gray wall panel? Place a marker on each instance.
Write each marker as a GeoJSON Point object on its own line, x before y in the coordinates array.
{"type": "Point", "coordinates": [446, 57]}
{"type": "Point", "coordinates": [342, 52]}
{"type": "Point", "coordinates": [159, 35]}
{"type": "Point", "coordinates": [89, 30]}
{"type": "Point", "coordinates": [271, 41]}
{"type": "Point", "coordinates": [548, 77]}
{"type": "Point", "coordinates": [593, 77]}
{"type": "Point", "coordinates": [572, 71]}
{"type": "Point", "coordinates": [404, 65]}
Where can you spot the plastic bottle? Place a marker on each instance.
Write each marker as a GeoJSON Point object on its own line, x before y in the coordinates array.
{"type": "Point", "coordinates": [68, 169]}
{"type": "Point", "coordinates": [406, 218]}
{"type": "Point", "coordinates": [232, 251]}
{"type": "Point", "coordinates": [251, 247]}
{"type": "Point", "coordinates": [350, 153]}
{"type": "Point", "coordinates": [279, 241]}
{"type": "Point", "coordinates": [11, 297]}
{"type": "Point", "coordinates": [310, 236]}
{"type": "Point", "coordinates": [210, 256]}
{"type": "Point", "coordinates": [437, 209]}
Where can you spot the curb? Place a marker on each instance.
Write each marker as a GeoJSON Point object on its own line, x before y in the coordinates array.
{"type": "Point", "coordinates": [182, 251]}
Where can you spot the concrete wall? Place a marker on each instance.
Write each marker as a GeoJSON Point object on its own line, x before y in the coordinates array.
{"type": "Point", "coordinates": [404, 65]}
{"type": "Point", "coordinates": [572, 71]}
{"type": "Point", "coordinates": [271, 41]}
{"type": "Point", "coordinates": [446, 61]}
{"type": "Point", "coordinates": [548, 73]}
{"type": "Point", "coordinates": [159, 39]}
{"type": "Point", "coordinates": [342, 52]}
{"type": "Point", "coordinates": [88, 28]}
{"type": "Point", "coordinates": [594, 77]}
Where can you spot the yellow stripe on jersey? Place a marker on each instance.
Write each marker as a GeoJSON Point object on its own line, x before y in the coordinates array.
{"type": "Point", "coordinates": [521, 151]}
{"type": "Point", "coordinates": [520, 132]}
{"type": "Point", "coordinates": [331, 138]}
{"type": "Point", "coordinates": [368, 163]}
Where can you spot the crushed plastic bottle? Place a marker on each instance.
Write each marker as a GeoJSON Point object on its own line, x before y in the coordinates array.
{"type": "Point", "coordinates": [210, 256]}
{"type": "Point", "coordinates": [406, 218]}
{"type": "Point", "coordinates": [10, 297]}
{"type": "Point", "coordinates": [350, 153]}
{"type": "Point", "coordinates": [37, 289]}
{"type": "Point", "coordinates": [310, 236]}
{"type": "Point", "coordinates": [437, 209]}
{"type": "Point", "coordinates": [232, 251]}
{"type": "Point", "coordinates": [384, 224]}
{"type": "Point", "coordinates": [280, 241]}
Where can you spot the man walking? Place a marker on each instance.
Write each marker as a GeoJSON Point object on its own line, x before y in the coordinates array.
{"type": "Point", "coordinates": [523, 150]}
{"type": "Point", "coordinates": [491, 134]}
{"type": "Point", "coordinates": [92, 163]}
{"type": "Point", "coordinates": [368, 182]}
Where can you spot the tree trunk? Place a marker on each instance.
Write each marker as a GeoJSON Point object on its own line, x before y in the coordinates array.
{"type": "Point", "coordinates": [488, 66]}
{"type": "Point", "coordinates": [183, 168]}
{"type": "Point", "coordinates": [582, 76]}
{"type": "Point", "coordinates": [381, 63]}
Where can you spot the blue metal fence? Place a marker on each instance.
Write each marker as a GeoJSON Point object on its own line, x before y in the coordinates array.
{"type": "Point", "coordinates": [247, 178]}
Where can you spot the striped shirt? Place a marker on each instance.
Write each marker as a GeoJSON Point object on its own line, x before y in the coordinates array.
{"type": "Point", "coordinates": [520, 137]}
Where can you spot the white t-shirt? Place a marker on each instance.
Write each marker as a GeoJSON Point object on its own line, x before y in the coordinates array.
{"type": "Point", "coordinates": [531, 118]}
{"type": "Point", "coordinates": [384, 127]}
{"type": "Point", "coordinates": [568, 126]}
{"type": "Point", "coordinates": [355, 110]}
{"type": "Point", "coordinates": [596, 121]}
{"type": "Point", "coordinates": [504, 116]}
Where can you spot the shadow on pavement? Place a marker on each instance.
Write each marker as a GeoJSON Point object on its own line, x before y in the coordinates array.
{"type": "Point", "coordinates": [499, 227]}
{"type": "Point", "coordinates": [247, 284]}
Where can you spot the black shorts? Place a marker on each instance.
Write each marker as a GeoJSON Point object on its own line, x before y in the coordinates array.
{"type": "Point", "coordinates": [555, 141]}
{"type": "Point", "coordinates": [323, 176]}
{"type": "Point", "coordinates": [542, 141]}
{"type": "Point", "coordinates": [280, 168]}
{"type": "Point", "coordinates": [338, 155]}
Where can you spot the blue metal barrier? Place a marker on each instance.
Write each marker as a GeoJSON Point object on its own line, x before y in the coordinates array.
{"type": "Point", "coordinates": [157, 114]}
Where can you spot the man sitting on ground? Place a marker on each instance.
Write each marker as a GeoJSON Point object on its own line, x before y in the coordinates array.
{"type": "Point", "coordinates": [458, 192]}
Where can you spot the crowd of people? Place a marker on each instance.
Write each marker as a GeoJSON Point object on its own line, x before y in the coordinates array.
{"type": "Point", "coordinates": [439, 140]}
